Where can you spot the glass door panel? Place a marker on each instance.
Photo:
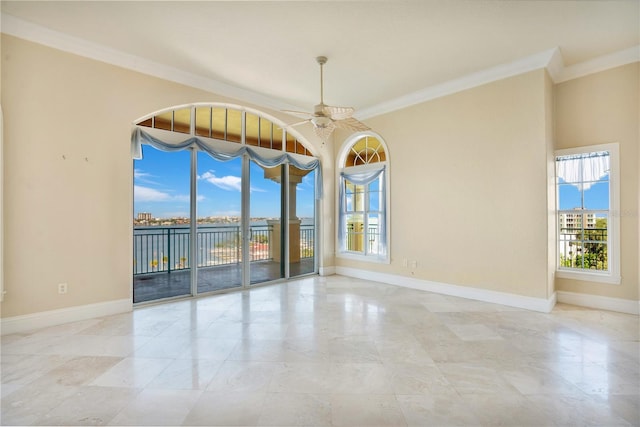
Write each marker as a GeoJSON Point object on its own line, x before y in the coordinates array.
{"type": "Point", "coordinates": [161, 242]}
{"type": "Point", "coordinates": [218, 236]}
{"type": "Point", "coordinates": [266, 249]}
{"type": "Point", "coordinates": [302, 221]}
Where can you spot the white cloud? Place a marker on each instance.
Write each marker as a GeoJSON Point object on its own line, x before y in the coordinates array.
{"type": "Point", "coordinates": [186, 198]}
{"type": "Point", "coordinates": [141, 176]}
{"type": "Point", "coordinates": [146, 194]}
{"type": "Point", "coordinates": [137, 173]}
{"type": "Point", "coordinates": [229, 182]}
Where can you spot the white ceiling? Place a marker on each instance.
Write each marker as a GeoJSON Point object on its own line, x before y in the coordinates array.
{"type": "Point", "coordinates": [378, 50]}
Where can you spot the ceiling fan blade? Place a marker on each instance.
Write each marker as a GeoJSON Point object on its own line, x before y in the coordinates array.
{"type": "Point", "coordinates": [299, 123]}
{"type": "Point", "coordinates": [338, 113]}
{"type": "Point", "coordinates": [351, 124]}
{"type": "Point", "coordinates": [298, 113]}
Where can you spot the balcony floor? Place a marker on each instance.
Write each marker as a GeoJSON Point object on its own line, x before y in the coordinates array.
{"type": "Point", "coordinates": [154, 286]}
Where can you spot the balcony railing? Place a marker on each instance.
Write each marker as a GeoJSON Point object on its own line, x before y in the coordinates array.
{"type": "Point", "coordinates": [166, 249]}
{"type": "Point", "coordinates": [583, 248]}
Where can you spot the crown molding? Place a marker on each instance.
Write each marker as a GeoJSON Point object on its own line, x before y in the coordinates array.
{"type": "Point", "coordinates": [555, 66]}
{"type": "Point", "coordinates": [469, 81]}
{"type": "Point", "coordinates": [35, 33]}
{"type": "Point", "coordinates": [550, 59]}
{"type": "Point", "coordinates": [601, 63]}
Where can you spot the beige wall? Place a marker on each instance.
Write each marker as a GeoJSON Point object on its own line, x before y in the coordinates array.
{"type": "Point", "coordinates": [468, 196]}
{"type": "Point", "coordinates": [598, 109]}
{"type": "Point", "coordinates": [68, 173]}
{"type": "Point", "coordinates": [468, 193]}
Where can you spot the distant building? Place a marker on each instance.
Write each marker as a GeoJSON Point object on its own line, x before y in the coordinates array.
{"type": "Point", "coordinates": [570, 221]}
{"type": "Point", "coordinates": [144, 216]}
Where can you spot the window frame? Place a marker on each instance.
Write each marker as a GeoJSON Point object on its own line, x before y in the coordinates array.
{"type": "Point", "coordinates": [342, 157]}
{"type": "Point", "coordinates": [612, 276]}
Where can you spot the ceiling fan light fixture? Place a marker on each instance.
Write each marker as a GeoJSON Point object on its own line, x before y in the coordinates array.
{"type": "Point", "coordinates": [324, 132]}
{"type": "Point", "coordinates": [322, 122]}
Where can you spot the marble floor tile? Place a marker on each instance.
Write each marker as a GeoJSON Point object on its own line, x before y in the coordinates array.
{"type": "Point", "coordinates": [412, 379]}
{"type": "Point", "coordinates": [403, 351]}
{"type": "Point", "coordinates": [226, 409]}
{"type": "Point", "coordinates": [7, 389]}
{"type": "Point", "coordinates": [332, 351]}
{"type": "Point", "coordinates": [285, 350]}
{"type": "Point", "coordinates": [582, 410]}
{"type": "Point", "coordinates": [186, 374]}
{"type": "Point", "coordinates": [89, 406]}
{"type": "Point", "coordinates": [508, 410]}
{"type": "Point", "coordinates": [596, 379]}
{"type": "Point", "coordinates": [474, 379]}
{"type": "Point", "coordinates": [349, 350]}
{"type": "Point", "coordinates": [77, 371]}
{"type": "Point", "coordinates": [626, 407]}
{"type": "Point", "coordinates": [157, 408]}
{"type": "Point", "coordinates": [95, 345]}
{"type": "Point", "coordinates": [163, 347]}
{"type": "Point", "coordinates": [448, 409]}
{"type": "Point", "coordinates": [208, 348]}
{"type": "Point", "coordinates": [23, 369]}
{"type": "Point", "coordinates": [132, 372]}
{"type": "Point", "coordinates": [296, 409]}
{"type": "Point", "coordinates": [28, 404]}
{"type": "Point", "coordinates": [29, 344]}
{"type": "Point", "coordinates": [302, 378]}
{"type": "Point", "coordinates": [366, 410]}
{"type": "Point", "coordinates": [532, 380]}
{"type": "Point", "coordinates": [244, 376]}
{"type": "Point", "coordinates": [474, 332]}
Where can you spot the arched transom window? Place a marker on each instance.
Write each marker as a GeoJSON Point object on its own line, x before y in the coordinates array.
{"type": "Point", "coordinates": [365, 150]}
{"type": "Point", "coordinates": [227, 123]}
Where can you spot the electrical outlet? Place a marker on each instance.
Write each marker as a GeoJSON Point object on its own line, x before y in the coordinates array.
{"type": "Point", "coordinates": [414, 263]}
{"type": "Point", "coordinates": [62, 288]}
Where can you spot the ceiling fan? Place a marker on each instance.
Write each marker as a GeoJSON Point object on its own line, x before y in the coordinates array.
{"type": "Point", "coordinates": [326, 118]}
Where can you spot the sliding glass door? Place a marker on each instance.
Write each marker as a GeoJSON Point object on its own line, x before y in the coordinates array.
{"type": "Point", "coordinates": [219, 223]}
{"type": "Point", "coordinates": [266, 244]}
{"type": "Point", "coordinates": [302, 221]}
{"type": "Point", "coordinates": [226, 251]}
{"type": "Point", "coordinates": [218, 202]}
{"type": "Point", "coordinates": [161, 235]}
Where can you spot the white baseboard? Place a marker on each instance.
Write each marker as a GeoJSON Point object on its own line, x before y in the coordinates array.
{"type": "Point", "coordinates": [30, 322]}
{"type": "Point", "coordinates": [502, 298]}
{"type": "Point", "coordinates": [600, 302]}
{"type": "Point", "coordinates": [327, 271]}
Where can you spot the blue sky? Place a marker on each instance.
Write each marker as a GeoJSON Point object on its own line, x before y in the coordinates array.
{"type": "Point", "coordinates": [596, 196]}
{"type": "Point", "coordinates": [161, 187]}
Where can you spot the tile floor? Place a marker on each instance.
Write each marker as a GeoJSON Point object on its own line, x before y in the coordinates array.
{"type": "Point", "coordinates": [326, 351]}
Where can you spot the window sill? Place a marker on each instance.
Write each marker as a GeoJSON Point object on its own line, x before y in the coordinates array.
{"type": "Point", "coordinates": [365, 258]}
{"type": "Point", "coordinates": [589, 277]}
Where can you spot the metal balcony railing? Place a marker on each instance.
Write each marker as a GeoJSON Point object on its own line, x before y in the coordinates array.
{"type": "Point", "coordinates": [583, 248]}
{"type": "Point", "coordinates": [166, 249]}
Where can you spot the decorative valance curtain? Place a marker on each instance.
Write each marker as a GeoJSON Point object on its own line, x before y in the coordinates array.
{"type": "Point", "coordinates": [583, 170]}
{"type": "Point", "coordinates": [223, 151]}
{"type": "Point", "coordinates": [363, 178]}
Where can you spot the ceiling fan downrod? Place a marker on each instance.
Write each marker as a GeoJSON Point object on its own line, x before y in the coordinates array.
{"type": "Point", "coordinates": [321, 60]}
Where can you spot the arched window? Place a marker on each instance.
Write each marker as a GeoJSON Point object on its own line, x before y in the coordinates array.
{"type": "Point", "coordinates": [227, 122]}
{"type": "Point", "coordinates": [225, 197]}
{"type": "Point", "coordinates": [363, 205]}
